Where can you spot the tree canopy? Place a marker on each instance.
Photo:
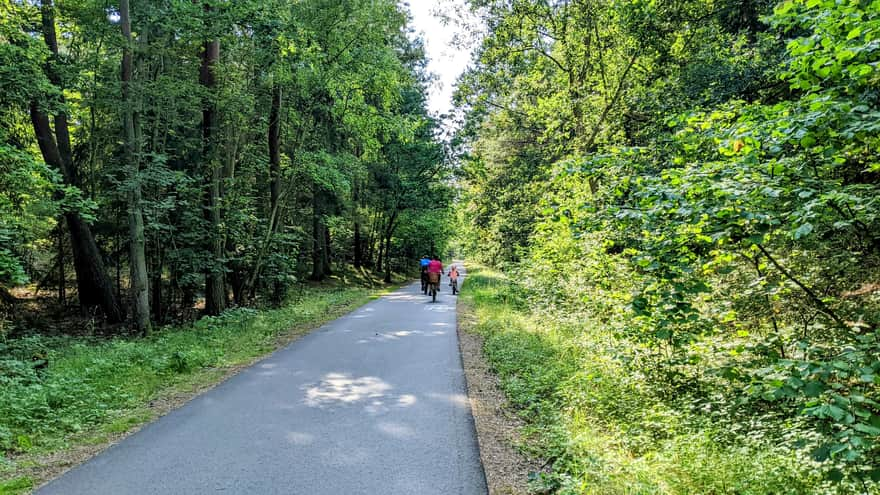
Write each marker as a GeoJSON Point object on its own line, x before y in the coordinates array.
{"type": "Point", "coordinates": [174, 152]}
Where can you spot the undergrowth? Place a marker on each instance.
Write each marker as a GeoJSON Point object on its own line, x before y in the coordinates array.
{"type": "Point", "coordinates": [605, 427]}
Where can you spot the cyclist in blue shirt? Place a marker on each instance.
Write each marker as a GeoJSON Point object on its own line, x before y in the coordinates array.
{"type": "Point", "coordinates": [423, 268]}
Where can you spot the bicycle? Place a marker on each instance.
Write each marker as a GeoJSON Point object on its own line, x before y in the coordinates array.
{"type": "Point", "coordinates": [433, 285]}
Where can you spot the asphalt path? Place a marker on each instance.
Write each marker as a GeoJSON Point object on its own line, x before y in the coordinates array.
{"type": "Point", "coordinates": [372, 403]}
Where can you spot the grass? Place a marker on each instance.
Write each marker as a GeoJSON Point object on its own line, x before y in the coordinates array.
{"type": "Point", "coordinates": [604, 428]}
{"type": "Point", "coordinates": [95, 390]}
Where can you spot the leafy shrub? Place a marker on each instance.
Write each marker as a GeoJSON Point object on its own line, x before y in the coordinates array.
{"type": "Point", "coordinates": [605, 425]}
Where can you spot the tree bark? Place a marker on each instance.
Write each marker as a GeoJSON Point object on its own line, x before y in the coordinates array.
{"type": "Point", "coordinates": [389, 232]}
{"type": "Point", "coordinates": [274, 142]}
{"type": "Point", "coordinates": [357, 245]}
{"type": "Point", "coordinates": [93, 284]}
{"type": "Point", "coordinates": [358, 255]}
{"type": "Point", "coordinates": [156, 300]}
{"type": "Point", "coordinates": [387, 259]}
{"type": "Point", "coordinates": [318, 258]}
{"type": "Point", "coordinates": [215, 290]}
{"type": "Point", "coordinates": [327, 253]}
{"type": "Point", "coordinates": [62, 276]}
{"type": "Point", "coordinates": [139, 287]}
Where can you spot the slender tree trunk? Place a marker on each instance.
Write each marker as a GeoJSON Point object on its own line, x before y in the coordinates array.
{"type": "Point", "coordinates": [357, 245]}
{"type": "Point", "coordinates": [274, 142]}
{"type": "Point", "coordinates": [370, 244]}
{"type": "Point", "coordinates": [317, 237]}
{"type": "Point", "coordinates": [157, 297]}
{"type": "Point", "coordinates": [381, 254]}
{"type": "Point", "coordinates": [215, 291]}
{"type": "Point", "coordinates": [62, 276]}
{"type": "Point", "coordinates": [389, 232]}
{"type": "Point", "coordinates": [94, 287]}
{"type": "Point", "coordinates": [388, 259]}
{"type": "Point", "coordinates": [327, 253]}
{"type": "Point", "coordinates": [140, 291]}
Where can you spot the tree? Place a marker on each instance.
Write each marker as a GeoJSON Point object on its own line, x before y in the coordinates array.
{"type": "Point", "coordinates": [140, 292]}
{"type": "Point", "coordinates": [94, 286]}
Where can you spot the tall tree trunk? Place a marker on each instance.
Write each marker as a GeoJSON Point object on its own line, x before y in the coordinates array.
{"type": "Point", "coordinates": [274, 142]}
{"type": "Point", "coordinates": [94, 287]}
{"type": "Point", "coordinates": [140, 291]}
{"type": "Point", "coordinates": [156, 299]}
{"type": "Point", "coordinates": [327, 253]}
{"type": "Point", "coordinates": [388, 259]}
{"type": "Point", "coordinates": [62, 276]}
{"type": "Point", "coordinates": [215, 290]}
{"type": "Point", "coordinates": [357, 245]}
{"type": "Point", "coordinates": [317, 237]}
{"type": "Point", "coordinates": [370, 244]}
{"type": "Point", "coordinates": [389, 232]}
{"type": "Point", "coordinates": [357, 227]}
{"type": "Point", "coordinates": [381, 254]}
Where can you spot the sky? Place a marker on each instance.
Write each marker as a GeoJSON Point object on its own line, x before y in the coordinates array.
{"type": "Point", "coordinates": [444, 60]}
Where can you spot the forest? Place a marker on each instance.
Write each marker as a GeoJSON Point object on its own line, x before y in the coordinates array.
{"type": "Point", "coordinates": [683, 201]}
{"type": "Point", "coordinates": [165, 161]}
{"type": "Point", "coordinates": [170, 151]}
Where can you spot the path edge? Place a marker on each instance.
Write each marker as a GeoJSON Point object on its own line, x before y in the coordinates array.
{"type": "Point", "coordinates": [54, 465]}
{"type": "Point", "coordinates": [498, 429]}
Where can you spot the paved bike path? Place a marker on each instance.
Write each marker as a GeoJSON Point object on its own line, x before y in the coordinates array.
{"type": "Point", "coordinates": [372, 403]}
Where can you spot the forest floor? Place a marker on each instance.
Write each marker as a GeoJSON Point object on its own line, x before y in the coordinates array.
{"type": "Point", "coordinates": [97, 390]}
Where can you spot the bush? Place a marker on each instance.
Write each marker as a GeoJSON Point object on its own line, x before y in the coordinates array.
{"type": "Point", "coordinates": [606, 424]}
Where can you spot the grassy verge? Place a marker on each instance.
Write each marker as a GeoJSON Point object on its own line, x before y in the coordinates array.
{"type": "Point", "coordinates": [95, 391]}
{"type": "Point", "coordinates": [603, 428]}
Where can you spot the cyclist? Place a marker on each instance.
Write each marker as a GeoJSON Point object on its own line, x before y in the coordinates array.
{"type": "Point", "coordinates": [453, 279]}
{"type": "Point", "coordinates": [423, 269]}
{"type": "Point", "coordinates": [435, 270]}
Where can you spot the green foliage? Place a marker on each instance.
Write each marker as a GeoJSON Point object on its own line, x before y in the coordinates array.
{"type": "Point", "coordinates": [27, 209]}
{"type": "Point", "coordinates": [16, 486]}
{"type": "Point", "coordinates": [340, 85]}
{"type": "Point", "coordinates": [721, 228]}
{"type": "Point", "coordinates": [602, 425]}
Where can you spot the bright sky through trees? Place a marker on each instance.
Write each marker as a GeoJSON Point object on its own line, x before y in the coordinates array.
{"type": "Point", "coordinates": [444, 59]}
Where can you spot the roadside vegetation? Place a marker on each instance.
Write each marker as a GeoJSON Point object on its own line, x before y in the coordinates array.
{"type": "Point", "coordinates": [685, 197]}
{"type": "Point", "coordinates": [606, 425]}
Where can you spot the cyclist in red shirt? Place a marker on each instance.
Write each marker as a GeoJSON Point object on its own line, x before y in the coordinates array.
{"type": "Point", "coordinates": [435, 266]}
{"type": "Point", "coordinates": [435, 270]}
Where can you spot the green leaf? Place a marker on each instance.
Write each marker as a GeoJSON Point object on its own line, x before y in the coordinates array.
{"type": "Point", "coordinates": [814, 389]}
{"type": "Point", "coordinates": [867, 429]}
{"type": "Point", "coordinates": [803, 230]}
{"type": "Point", "coordinates": [821, 453]}
{"type": "Point", "coordinates": [835, 475]}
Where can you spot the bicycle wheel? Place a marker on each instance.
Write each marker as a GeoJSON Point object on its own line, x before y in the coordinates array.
{"type": "Point", "coordinates": [433, 292]}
